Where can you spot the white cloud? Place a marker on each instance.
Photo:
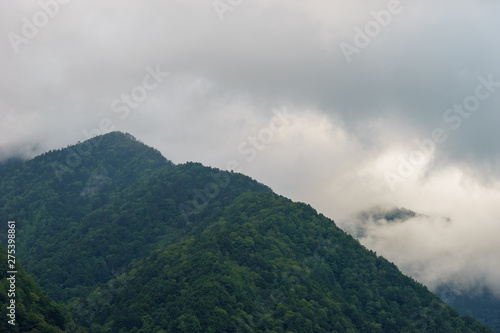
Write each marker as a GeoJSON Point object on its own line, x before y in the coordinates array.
{"type": "Point", "coordinates": [353, 121]}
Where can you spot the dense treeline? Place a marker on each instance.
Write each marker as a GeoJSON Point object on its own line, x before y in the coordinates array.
{"type": "Point", "coordinates": [61, 223]}
{"type": "Point", "coordinates": [33, 311]}
{"type": "Point", "coordinates": [270, 265]}
{"type": "Point", "coordinates": [483, 304]}
{"type": "Point", "coordinates": [117, 205]}
{"type": "Point", "coordinates": [134, 243]}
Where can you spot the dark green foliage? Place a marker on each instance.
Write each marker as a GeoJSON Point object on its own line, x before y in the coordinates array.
{"type": "Point", "coordinates": [133, 243]}
{"type": "Point", "coordinates": [390, 215]}
{"type": "Point", "coordinates": [482, 304]}
{"type": "Point", "coordinates": [117, 205]}
{"type": "Point", "coordinates": [35, 312]}
{"type": "Point", "coordinates": [268, 264]}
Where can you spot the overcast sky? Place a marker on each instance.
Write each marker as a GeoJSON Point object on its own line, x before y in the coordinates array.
{"type": "Point", "coordinates": [340, 104]}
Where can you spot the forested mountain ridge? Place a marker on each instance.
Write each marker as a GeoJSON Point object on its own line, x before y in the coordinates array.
{"type": "Point", "coordinates": [270, 265]}
{"type": "Point", "coordinates": [120, 202]}
{"type": "Point", "coordinates": [133, 243]}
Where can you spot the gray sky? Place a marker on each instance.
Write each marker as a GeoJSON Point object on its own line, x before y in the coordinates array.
{"type": "Point", "coordinates": [340, 104]}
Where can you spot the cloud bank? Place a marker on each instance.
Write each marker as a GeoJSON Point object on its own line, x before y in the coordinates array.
{"type": "Point", "coordinates": [363, 131]}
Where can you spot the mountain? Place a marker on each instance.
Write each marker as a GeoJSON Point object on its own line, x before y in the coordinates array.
{"type": "Point", "coordinates": [25, 307]}
{"type": "Point", "coordinates": [104, 212]}
{"type": "Point", "coordinates": [376, 216]}
{"type": "Point", "coordinates": [477, 301]}
{"type": "Point", "coordinates": [482, 303]}
{"type": "Point", "coordinates": [134, 243]}
{"type": "Point", "coordinates": [267, 264]}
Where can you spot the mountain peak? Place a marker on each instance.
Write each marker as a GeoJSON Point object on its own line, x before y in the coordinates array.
{"type": "Point", "coordinates": [103, 150]}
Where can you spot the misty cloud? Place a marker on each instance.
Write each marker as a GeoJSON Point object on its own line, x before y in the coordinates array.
{"type": "Point", "coordinates": [353, 122]}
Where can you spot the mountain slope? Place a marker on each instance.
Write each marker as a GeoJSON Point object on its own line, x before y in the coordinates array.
{"type": "Point", "coordinates": [482, 304]}
{"type": "Point", "coordinates": [33, 310]}
{"type": "Point", "coordinates": [134, 243]}
{"type": "Point", "coordinates": [119, 203]}
{"type": "Point", "coordinates": [477, 301]}
{"type": "Point", "coordinates": [270, 265]}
